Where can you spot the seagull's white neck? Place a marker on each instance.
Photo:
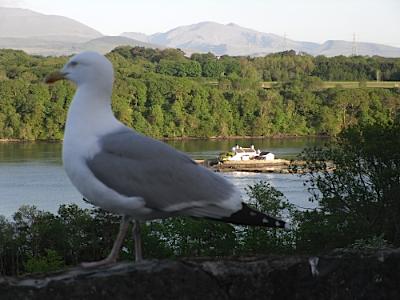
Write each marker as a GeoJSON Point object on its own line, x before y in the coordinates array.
{"type": "Point", "coordinates": [90, 113]}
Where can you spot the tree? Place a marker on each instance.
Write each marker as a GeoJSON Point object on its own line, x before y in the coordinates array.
{"type": "Point", "coordinates": [265, 197]}
{"type": "Point", "coordinates": [204, 95]}
{"type": "Point", "coordinates": [210, 65]}
{"type": "Point", "coordinates": [356, 182]}
{"type": "Point", "coordinates": [41, 241]}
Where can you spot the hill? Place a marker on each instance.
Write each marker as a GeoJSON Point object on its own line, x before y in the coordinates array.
{"type": "Point", "coordinates": [36, 33]}
{"type": "Point", "coordinates": [222, 39]}
{"type": "Point", "coordinates": [24, 23]}
{"type": "Point", "coordinates": [105, 44]}
{"type": "Point", "coordinates": [163, 93]}
{"type": "Point", "coordinates": [232, 39]}
{"type": "Point", "coordinates": [337, 47]}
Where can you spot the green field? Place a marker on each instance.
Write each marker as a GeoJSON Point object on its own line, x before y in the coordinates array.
{"type": "Point", "coordinates": [346, 84]}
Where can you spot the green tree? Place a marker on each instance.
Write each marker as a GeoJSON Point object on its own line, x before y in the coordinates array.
{"type": "Point", "coordinates": [205, 95]}
{"type": "Point", "coordinates": [356, 182]}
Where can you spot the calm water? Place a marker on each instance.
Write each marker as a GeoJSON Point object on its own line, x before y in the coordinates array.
{"type": "Point", "coordinates": [32, 173]}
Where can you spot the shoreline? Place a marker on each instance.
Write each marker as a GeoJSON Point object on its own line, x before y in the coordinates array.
{"type": "Point", "coordinates": [234, 137]}
{"type": "Point", "coordinates": [246, 137]}
{"type": "Point", "coordinates": [22, 141]}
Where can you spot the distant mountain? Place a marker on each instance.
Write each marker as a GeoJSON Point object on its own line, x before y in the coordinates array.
{"type": "Point", "coordinates": [221, 39]}
{"type": "Point", "coordinates": [37, 33]}
{"type": "Point", "coordinates": [335, 47]}
{"type": "Point", "coordinates": [137, 36]}
{"type": "Point", "coordinates": [38, 46]}
{"type": "Point", "coordinates": [45, 47]}
{"type": "Point", "coordinates": [233, 39]}
{"type": "Point", "coordinates": [42, 34]}
{"type": "Point", "coordinates": [24, 23]}
{"type": "Point", "coordinates": [105, 44]}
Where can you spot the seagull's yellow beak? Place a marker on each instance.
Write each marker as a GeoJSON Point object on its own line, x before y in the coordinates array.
{"type": "Point", "coordinates": [55, 76]}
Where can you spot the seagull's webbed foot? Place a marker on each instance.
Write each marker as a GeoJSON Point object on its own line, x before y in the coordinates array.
{"type": "Point", "coordinates": [113, 256]}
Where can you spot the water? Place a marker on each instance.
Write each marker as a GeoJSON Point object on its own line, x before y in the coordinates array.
{"type": "Point", "coordinates": [32, 173]}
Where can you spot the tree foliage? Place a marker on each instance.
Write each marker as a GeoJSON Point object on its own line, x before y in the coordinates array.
{"type": "Point", "coordinates": [356, 182]}
{"type": "Point", "coordinates": [163, 93]}
{"type": "Point", "coordinates": [38, 241]}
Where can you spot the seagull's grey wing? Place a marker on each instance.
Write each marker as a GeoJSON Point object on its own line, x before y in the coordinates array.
{"type": "Point", "coordinates": [168, 180]}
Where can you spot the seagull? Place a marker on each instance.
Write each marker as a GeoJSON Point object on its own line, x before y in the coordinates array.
{"type": "Point", "coordinates": [132, 175]}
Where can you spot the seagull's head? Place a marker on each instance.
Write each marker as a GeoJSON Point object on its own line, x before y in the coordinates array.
{"type": "Point", "coordinates": [84, 68]}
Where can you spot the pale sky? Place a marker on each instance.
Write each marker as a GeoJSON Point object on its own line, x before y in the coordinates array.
{"type": "Point", "coordinates": [308, 20]}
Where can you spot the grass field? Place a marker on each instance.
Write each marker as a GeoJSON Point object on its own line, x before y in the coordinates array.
{"type": "Point", "coordinates": [346, 84]}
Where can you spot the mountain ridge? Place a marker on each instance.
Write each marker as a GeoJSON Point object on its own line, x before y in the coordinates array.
{"type": "Point", "coordinates": [233, 39]}
{"type": "Point", "coordinates": [36, 33]}
{"type": "Point", "coordinates": [42, 34]}
{"type": "Point", "coordinates": [25, 23]}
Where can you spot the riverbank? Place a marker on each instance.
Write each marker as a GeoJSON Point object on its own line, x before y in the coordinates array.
{"type": "Point", "coordinates": [189, 138]}
{"type": "Point", "coordinates": [247, 137]}
{"type": "Point", "coordinates": [15, 141]}
{"type": "Point", "coordinates": [28, 141]}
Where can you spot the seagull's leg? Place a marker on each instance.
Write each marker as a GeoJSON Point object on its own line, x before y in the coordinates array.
{"type": "Point", "coordinates": [138, 241]}
{"type": "Point", "coordinates": [113, 256]}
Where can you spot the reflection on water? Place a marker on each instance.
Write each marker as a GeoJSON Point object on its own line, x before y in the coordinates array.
{"type": "Point", "coordinates": [31, 173]}
{"type": "Point", "coordinates": [30, 152]}
{"type": "Point", "coordinates": [290, 185]}
{"type": "Point", "coordinates": [40, 183]}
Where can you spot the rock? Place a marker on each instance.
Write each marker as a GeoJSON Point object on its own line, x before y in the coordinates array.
{"type": "Point", "coordinates": [349, 275]}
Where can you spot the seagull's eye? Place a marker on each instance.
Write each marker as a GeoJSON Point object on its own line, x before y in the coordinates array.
{"type": "Point", "coordinates": [73, 63]}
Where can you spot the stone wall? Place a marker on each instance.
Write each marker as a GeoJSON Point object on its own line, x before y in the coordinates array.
{"type": "Point", "coordinates": [339, 275]}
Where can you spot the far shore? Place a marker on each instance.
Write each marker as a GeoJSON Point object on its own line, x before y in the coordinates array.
{"type": "Point", "coordinates": [188, 138]}
{"type": "Point", "coordinates": [28, 141]}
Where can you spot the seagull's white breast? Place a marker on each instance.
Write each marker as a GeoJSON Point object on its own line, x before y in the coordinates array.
{"type": "Point", "coordinates": [86, 123]}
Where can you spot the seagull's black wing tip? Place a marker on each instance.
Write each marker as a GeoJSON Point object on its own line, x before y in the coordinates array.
{"type": "Point", "coordinates": [250, 216]}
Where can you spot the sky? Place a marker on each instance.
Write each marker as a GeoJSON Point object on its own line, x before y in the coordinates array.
{"type": "Point", "coordinates": [375, 21]}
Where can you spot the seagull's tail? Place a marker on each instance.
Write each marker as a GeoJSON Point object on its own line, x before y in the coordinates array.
{"type": "Point", "coordinates": [250, 216]}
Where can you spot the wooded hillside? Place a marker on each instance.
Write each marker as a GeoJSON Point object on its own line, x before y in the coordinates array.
{"type": "Point", "coordinates": [162, 93]}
